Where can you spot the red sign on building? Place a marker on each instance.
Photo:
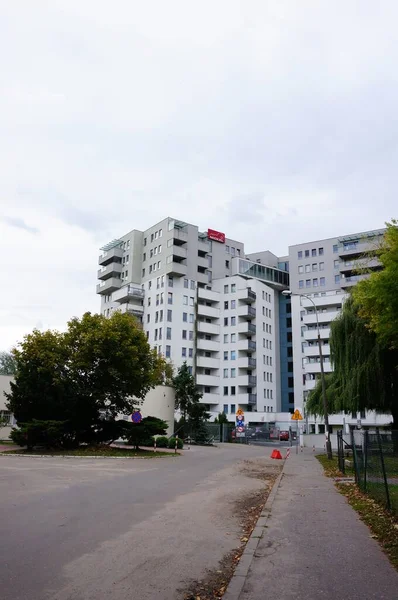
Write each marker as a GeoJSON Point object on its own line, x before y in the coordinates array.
{"type": "Point", "coordinates": [216, 236]}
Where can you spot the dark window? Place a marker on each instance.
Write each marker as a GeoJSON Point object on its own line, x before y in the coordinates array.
{"type": "Point", "coordinates": [289, 336]}
{"type": "Point", "coordinates": [290, 382]}
{"type": "Point", "coordinates": [288, 322]}
{"type": "Point", "coordinates": [291, 397]}
{"type": "Point", "coordinates": [226, 391]}
{"type": "Point", "coordinates": [233, 391]}
{"type": "Point", "coordinates": [290, 367]}
{"type": "Point", "coordinates": [290, 351]}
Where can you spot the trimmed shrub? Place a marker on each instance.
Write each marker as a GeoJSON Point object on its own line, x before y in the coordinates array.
{"type": "Point", "coordinates": [172, 443]}
{"type": "Point", "coordinates": [162, 441]}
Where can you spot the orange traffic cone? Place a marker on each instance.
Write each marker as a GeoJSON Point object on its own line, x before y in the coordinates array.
{"type": "Point", "coordinates": [276, 454]}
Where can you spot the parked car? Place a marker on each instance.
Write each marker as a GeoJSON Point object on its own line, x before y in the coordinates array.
{"type": "Point", "coordinates": [284, 436]}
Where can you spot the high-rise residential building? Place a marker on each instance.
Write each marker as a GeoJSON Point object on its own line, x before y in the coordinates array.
{"type": "Point", "coordinates": [201, 300]}
{"type": "Point", "coordinates": [322, 272]}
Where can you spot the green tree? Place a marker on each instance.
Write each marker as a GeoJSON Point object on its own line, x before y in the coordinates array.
{"type": "Point", "coordinates": [186, 392]}
{"type": "Point", "coordinates": [7, 364]}
{"type": "Point", "coordinates": [85, 376]}
{"type": "Point", "coordinates": [221, 418]}
{"type": "Point", "coordinates": [365, 375]}
{"type": "Point", "coordinates": [377, 297]}
{"type": "Point", "coordinates": [142, 433]}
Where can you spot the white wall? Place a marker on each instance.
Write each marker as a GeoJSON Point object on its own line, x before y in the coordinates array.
{"type": "Point", "coordinates": [159, 403]}
{"type": "Point", "coordinates": [5, 387]}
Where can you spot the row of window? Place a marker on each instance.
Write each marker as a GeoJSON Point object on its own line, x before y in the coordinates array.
{"type": "Point", "coordinates": [314, 283]}
{"type": "Point", "coordinates": [314, 252]}
{"type": "Point", "coordinates": [267, 296]}
{"type": "Point", "coordinates": [267, 312]}
{"type": "Point", "coordinates": [267, 376]}
{"type": "Point", "coordinates": [169, 313]}
{"type": "Point", "coordinates": [231, 250]}
{"type": "Point", "coordinates": [267, 328]}
{"type": "Point", "coordinates": [186, 284]}
{"type": "Point", "coordinates": [124, 275]}
{"type": "Point", "coordinates": [227, 287]}
{"type": "Point", "coordinates": [154, 236]}
{"type": "Point", "coordinates": [153, 252]}
{"type": "Point", "coordinates": [268, 409]}
{"type": "Point", "coordinates": [267, 344]}
{"type": "Point", "coordinates": [125, 259]}
{"type": "Point", "coordinates": [229, 338]}
{"type": "Point", "coordinates": [125, 245]}
{"type": "Point", "coordinates": [226, 373]}
{"type": "Point", "coordinates": [311, 267]}
{"type": "Point", "coordinates": [268, 394]}
{"type": "Point", "coordinates": [232, 354]}
{"type": "Point", "coordinates": [233, 406]}
{"type": "Point", "coordinates": [267, 360]}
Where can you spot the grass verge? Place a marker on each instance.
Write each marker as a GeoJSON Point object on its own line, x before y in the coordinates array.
{"type": "Point", "coordinates": [382, 523]}
{"type": "Point", "coordinates": [100, 451]}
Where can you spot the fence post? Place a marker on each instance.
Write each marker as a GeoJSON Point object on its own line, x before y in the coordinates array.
{"type": "Point", "coordinates": [384, 470]}
{"type": "Point", "coordinates": [354, 456]}
{"type": "Point", "coordinates": [365, 459]}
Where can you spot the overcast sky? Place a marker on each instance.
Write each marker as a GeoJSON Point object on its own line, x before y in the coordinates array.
{"type": "Point", "coordinates": [272, 121]}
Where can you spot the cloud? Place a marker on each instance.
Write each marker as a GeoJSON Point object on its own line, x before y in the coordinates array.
{"type": "Point", "coordinates": [19, 224]}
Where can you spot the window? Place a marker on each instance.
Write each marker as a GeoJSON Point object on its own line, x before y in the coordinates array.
{"type": "Point", "coordinates": [321, 266]}
{"type": "Point", "coordinates": [233, 354]}
{"type": "Point", "coordinates": [183, 352]}
{"type": "Point", "coordinates": [149, 301]}
{"type": "Point", "coordinates": [151, 253]}
{"type": "Point", "coordinates": [320, 251]}
{"type": "Point", "coordinates": [144, 257]}
{"type": "Point", "coordinates": [337, 278]}
{"type": "Point", "coordinates": [226, 355]}
{"type": "Point", "coordinates": [170, 281]}
{"type": "Point", "coordinates": [307, 268]}
{"type": "Point", "coordinates": [226, 289]}
{"type": "Point", "coordinates": [313, 252]}
{"type": "Point", "coordinates": [190, 352]}
{"type": "Point", "coordinates": [336, 264]}
{"type": "Point", "coordinates": [227, 264]}
{"type": "Point", "coordinates": [266, 328]}
{"type": "Point", "coordinates": [300, 254]}
{"type": "Point", "coordinates": [232, 251]}
{"type": "Point", "coordinates": [225, 388]}
{"type": "Point", "coordinates": [143, 272]}
{"type": "Point", "coordinates": [191, 318]}
{"type": "Point", "coordinates": [225, 321]}
{"type": "Point", "coordinates": [192, 284]}
{"type": "Point", "coordinates": [169, 315]}
{"type": "Point", "coordinates": [185, 317]}
{"type": "Point", "coordinates": [144, 241]}
{"type": "Point", "coordinates": [160, 232]}
{"type": "Point", "coordinates": [301, 283]}
{"type": "Point", "coordinates": [157, 299]}
{"type": "Point", "coordinates": [225, 372]}
{"type": "Point", "coordinates": [168, 351]}
{"type": "Point", "coordinates": [315, 282]}
{"type": "Point", "coordinates": [159, 249]}
{"type": "Point", "coordinates": [225, 410]}
{"type": "Point", "coordinates": [155, 250]}
{"type": "Point", "coordinates": [233, 290]}
{"type": "Point", "coordinates": [185, 300]}
{"type": "Point", "coordinates": [314, 266]}
{"type": "Point", "coordinates": [264, 311]}
{"type": "Point", "coordinates": [156, 316]}
{"type": "Point", "coordinates": [169, 298]}
{"type": "Point", "coordinates": [301, 269]}
{"type": "Point", "coordinates": [233, 321]}
{"type": "Point", "coordinates": [227, 249]}
{"type": "Point", "coordinates": [148, 318]}
{"type": "Point", "coordinates": [263, 326]}
{"type": "Point", "coordinates": [191, 301]}
{"type": "Point", "coordinates": [184, 334]}
{"type": "Point", "coordinates": [322, 281]}
{"type": "Point", "coordinates": [156, 334]}
{"type": "Point", "coordinates": [185, 283]}
{"type": "Point", "coordinates": [307, 253]}
{"type": "Point", "coordinates": [269, 313]}
{"type": "Point", "coordinates": [308, 283]}
{"type": "Point", "coordinates": [225, 338]}
{"type": "Point", "coordinates": [157, 283]}
{"type": "Point", "coordinates": [233, 304]}
{"type": "Point", "coordinates": [156, 235]}
{"type": "Point", "coordinates": [168, 333]}
{"type": "Point", "coordinates": [335, 248]}
{"type": "Point", "coordinates": [191, 336]}
{"type": "Point", "coordinates": [160, 333]}
{"type": "Point", "coordinates": [233, 409]}
{"type": "Point", "coordinates": [226, 305]}
{"type": "Point", "coordinates": [233, 338]}
{"type": "Point", "coordinates": [270, 329]}
{"type": "Point", "coordinates": [169, 243]}
{"type": "Point", "coordinates": [233, 373]}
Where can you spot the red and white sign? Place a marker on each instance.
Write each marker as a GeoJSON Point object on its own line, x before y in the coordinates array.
{"type": "Point", "coordinates": [216, 236]}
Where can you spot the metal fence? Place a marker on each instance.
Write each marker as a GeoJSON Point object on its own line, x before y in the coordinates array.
{"type": "Point", "coordinates": [375, 457]}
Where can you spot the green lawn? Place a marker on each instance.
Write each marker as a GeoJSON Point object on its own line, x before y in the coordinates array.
{"type": "Point", "coordinates": [100, 451]}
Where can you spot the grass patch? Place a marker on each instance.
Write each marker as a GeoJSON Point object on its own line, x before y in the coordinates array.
{"type": "Point", "coordinates": [382, 523]}
{"type": "Point", "coordinates": [100, 451]}
{"type": "Point", "coordinates": [7, 443]}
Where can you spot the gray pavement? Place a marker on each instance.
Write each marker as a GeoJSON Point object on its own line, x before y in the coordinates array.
{"type": "Point", "coordinates": [81, 529]}
{"type": "Point", "coordinates": [314, 546]}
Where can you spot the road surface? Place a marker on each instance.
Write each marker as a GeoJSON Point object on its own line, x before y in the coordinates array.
{"type": "Point", "coordinates": [96, 529]}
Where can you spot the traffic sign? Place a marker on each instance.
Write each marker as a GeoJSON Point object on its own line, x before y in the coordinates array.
{"type": "Point", "coordinates": [296, 416]}
{"type": "Point", "coordinates": [240, 412]}
{"type": "Point", "coordinates": [241, 429]}
{"type": "Point", "coordinates": [136, 417]}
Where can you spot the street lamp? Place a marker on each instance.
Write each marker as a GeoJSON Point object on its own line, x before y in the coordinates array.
{"type": "Point", "coordinates": [324, 397]}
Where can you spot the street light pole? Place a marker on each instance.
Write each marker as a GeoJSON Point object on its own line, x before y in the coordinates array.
{"type": "Point", "coordinates": [324, 396]}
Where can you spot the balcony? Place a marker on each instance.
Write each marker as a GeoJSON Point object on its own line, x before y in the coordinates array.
{"type": "Point", "coordinates": [247, 380]}
{"type": "Point", "coordinates": [323, 317]}
{"type": "Point", "coordinates": [110, 285]}
{"type": "Point", "coordinates": [348, 282]}
{"type": "Point", "coordinates": [357, 265]}
{"type": "Point", "coordinates": [314, 350]}
{"type": "Point", "coordinates": [209, 328]}
{"type": "Point", "coordinates": [211, 399]}
{"type": "Point", "coordinates": [208, 295]}
{"type": "Point", "coordinates": [179, 252]}
{"type": "Point", "coordinates": [203, 261]}
{"type": "Point", "coordinates": [312, 334]}
{"type": "Point", "coordinates": [110, 256]}
{"type": "Point", "coordinates": [310, 384]}
{"type": "Point", "coordinates": [208, 345]}
{"type": "Point", "coordinates": [247, 312]}
{"type": "Point", "coordinates": [207, 380]}
{"type": "Point", "coordinates": [208, 311]}
{"type": "Point", "coordinates": [316, 367]}
{"type": "Point", "coordinates": [358, 248]}
{"type": "Point", "coordinates": [111, 270]}
{"type": "Point", "coordinates": [247, 362]}
{"type": "Point", "coordinates": [203, 245]}
{"type": "Point", "coordinates": [247, 399]}
{"type": "Point", "coordinates": [247, 329]}
{"type": "Point", "coordinates": [179, 236]}
{"type": "Point", "coordinates": [128, 293]}
{"type": "Point", "coordinates": [321, 301]}
{"type": "Point", "coordinates": [177, 269]}
{"type": "Point", "coordinates": [136, 311]}
{"type": "Point", "coordinates": [247, 346]}
{"type": "Point", "coordinates": [206, 362]}
{"type": "Point", "coordinates": [248, 296]}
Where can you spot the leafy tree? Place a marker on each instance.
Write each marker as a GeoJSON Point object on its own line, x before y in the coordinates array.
{"type": "Point", "coordinates": [7, 364]}
{"type": "Point", "coordinates": [186, 392]}
{"type": "Point", "coordinates": [365, 375]}
{"type": "Point", "coordinates": [85, 376]}
{"type": "Point", "coordinates": [142, 433]}
{"type": "Point", "coordinates": [221, 418]}
{"type": "Point", "coordinates": [377, 297]}
{"type": "Point", "coordinates": [197, 418]}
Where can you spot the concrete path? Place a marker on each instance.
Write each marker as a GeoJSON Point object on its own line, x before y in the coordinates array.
{"type": "Point", "coordinates": [314, 546]}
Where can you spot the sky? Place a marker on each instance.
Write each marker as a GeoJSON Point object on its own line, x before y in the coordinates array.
{"type": "Point", "coordinates": [272, 121]}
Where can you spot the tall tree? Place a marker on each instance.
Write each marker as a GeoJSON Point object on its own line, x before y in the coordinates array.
{"type": "Point", "coordinates": [377, 297]}
{"type": "Point", "coordinates": [186, 392]}
{"type": "Point", "coordinates": [365, 375]}
{"type": "Point", "coordinates": [91, 372]}
{"type": "Point", "coordinates": [7, 363]}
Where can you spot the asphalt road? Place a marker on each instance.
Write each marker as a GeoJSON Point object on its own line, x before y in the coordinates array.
{"type": "Point", "coordinates": [80, 529]}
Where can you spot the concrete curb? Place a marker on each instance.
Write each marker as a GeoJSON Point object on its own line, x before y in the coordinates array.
{"type": "Point", "coordinates": [237, 582]}
{"type": "Point", "coordinates": [83, 457]}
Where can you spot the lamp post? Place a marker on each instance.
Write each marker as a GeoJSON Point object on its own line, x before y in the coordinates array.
{"type": "Point", "coordinates": [324, 397]}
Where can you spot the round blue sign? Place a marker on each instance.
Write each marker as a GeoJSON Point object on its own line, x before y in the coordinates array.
{"type": "Point", "coordinates": [136, 417]}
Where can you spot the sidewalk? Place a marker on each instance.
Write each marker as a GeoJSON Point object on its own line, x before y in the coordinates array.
{"type": "Point", "coordinates": [314, 546]}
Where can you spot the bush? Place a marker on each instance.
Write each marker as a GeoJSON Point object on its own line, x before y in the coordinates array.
{"type": "Point", "coordinates": [50, 434]}
{"type": "Point", "coordinates": [172, 443]}
{"type": "Point", "coordinates": [162, 441]}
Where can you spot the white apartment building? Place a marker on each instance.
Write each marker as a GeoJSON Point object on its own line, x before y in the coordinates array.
{"type": "Point", "coordinates": [201, 301]}
{"type": "Point", "coordinates": [324, 271]}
